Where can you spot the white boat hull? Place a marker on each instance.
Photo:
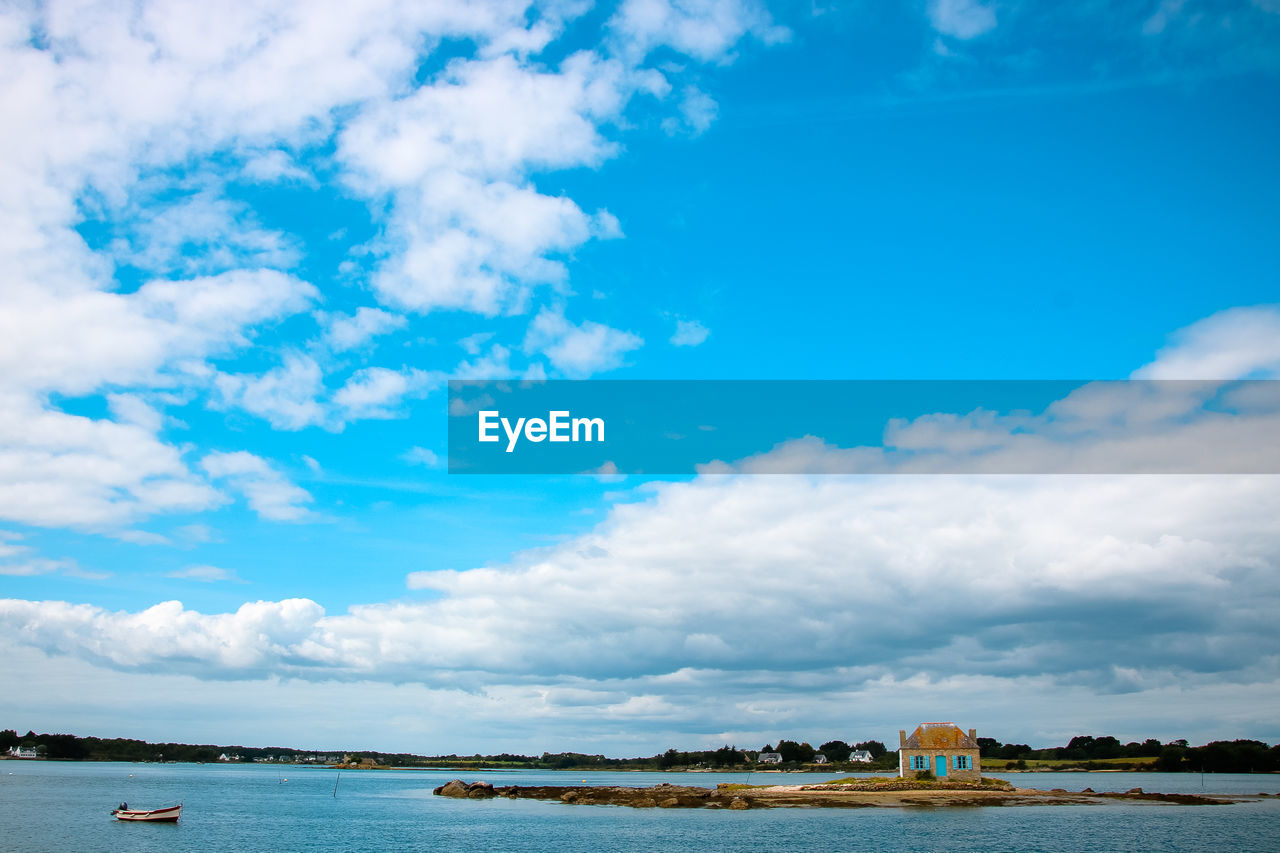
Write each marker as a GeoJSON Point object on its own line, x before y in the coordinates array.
{"type": "Point", "coordinates": [168, 815]}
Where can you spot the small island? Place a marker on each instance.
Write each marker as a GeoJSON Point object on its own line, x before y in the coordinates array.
{"type": "Point", "coordinates": [874, 792]}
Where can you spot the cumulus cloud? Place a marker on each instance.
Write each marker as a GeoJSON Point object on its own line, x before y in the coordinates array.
{"type": "Point", "coordinates": [287, 396]}
{"type": "Point", "coordinates": [872, 577]}
{"type": "Point", "coordinates": [421, 456]}
{"type": "Point", "coordinates": [61, 470]}
{"type": "Point", "coordinates": [962, 19]}
{"type": "Point", "coordinates": [377, 392]}
{"type": "Point", "coordinates": [467, 228]}
{"type": "Point", "coordinates": [689, 333]}
{"type": "Point", "coordinates": [347, 332]}
{"type": "Point", "coordinates": [704, 29]}
{"type": "Point", "coordinates": [267, 491]}
{"type": "Point", "coordinates": [1124, 427]}
{"type": "Point", "coordinates": [698, 112]}
{"type": "Point", "coordinates": [578, 349]}
{"type": "Point", "coordinates": [133, 135]}
{"type": "Point", "coordinates": [1232, 344]}
{"type": "Point", "coordinates": [201, 233]}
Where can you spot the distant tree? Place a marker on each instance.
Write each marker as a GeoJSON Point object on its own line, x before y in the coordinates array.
{"type": "Point", "coordinates": [1013, 751]}
{"type": "Point", "coordinates": [1105, 747]}
{"type": "Point", "coordinates": [768, 748]}
{"type": "Point", "coordinates": [988, 747]}
{"type": "Point", "coordinates": [836, 750]}
{"type": "Point", "coordinates": [1170, 759]}
{"type": "Point", "coordinates": [728, 756]}
{"type": "Point", "coordinates": [798, 752]}
{"type": "Point", "coordinates": [8, 738]}
{"type": "Point", "coordinates": [875, 747]}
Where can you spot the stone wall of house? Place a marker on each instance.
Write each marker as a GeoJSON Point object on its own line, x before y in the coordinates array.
{"type": "Point", "coordinates": [961, 775]}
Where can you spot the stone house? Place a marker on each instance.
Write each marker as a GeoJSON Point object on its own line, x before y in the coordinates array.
{"type": "Point", "coordinates": [770, 758]}
{"type": "Point", "coordinates": [941, 749]}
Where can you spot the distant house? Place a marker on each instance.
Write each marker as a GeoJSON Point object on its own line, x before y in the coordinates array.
{"type": "Point", "coordinates": [941, 749]}
{"type": "Point", "coordinates": [859, 755]}
{"type": "Point", "coordinates": [819, 759]}
{"type": "Point", "coordinates": [770, 758]}
{"type": "Point", "coordinates": [23, 752]}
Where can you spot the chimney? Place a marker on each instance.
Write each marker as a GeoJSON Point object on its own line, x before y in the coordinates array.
{"type": "Point", "coordinates": [973, 735]}
{"type": "Point", "coordinates": [902, 737]}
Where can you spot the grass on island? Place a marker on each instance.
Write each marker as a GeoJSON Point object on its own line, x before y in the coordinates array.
{"type": "Point", "coordinates": [997, 765]}
{"type": "Point", "coordinates": [894, 783]}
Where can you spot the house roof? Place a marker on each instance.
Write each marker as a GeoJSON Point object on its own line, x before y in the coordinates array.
{"type": "Point", "coordinates": [940, 736]}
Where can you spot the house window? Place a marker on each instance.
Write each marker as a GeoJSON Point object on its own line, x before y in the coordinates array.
{"type": "Point", "coordinates": [919, 762]}
{"type": "Point", "coordinates": [962, 762]}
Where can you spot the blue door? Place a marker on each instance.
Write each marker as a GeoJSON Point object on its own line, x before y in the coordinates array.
{"type": "Point", "coordinates": [940, 761]}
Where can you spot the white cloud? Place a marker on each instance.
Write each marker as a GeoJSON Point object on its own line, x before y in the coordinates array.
{"type": "Point", "coordinates": [79, 340]}
{"type": "Point", "coordinates": [139, 128]}
{"type": "Point", "coordinates": [267, 491]}
{"type": "Point", "coordinates": [704, 29]}
{"type": "Point", "coordinates": [32, 567]}
{"type": "Point", "coordinates": [697, 113]}
{"type": "Point", "coordinates": [205, 574]}
{"type": "Point", "coordinates": [1139, 427]}
{"type": "Point", "coordinates": [60, 470]}
{"type": "Point", "coordinates": [689, 333]}
{"type": "Point", "coordinates": [376, 392]}
{"type": "Point", "coordinates": [287, 396]}
{"type": "Point", "coordinates": [7, 546]}
{"type": "Point", "coordinates": [1232, 344]}
{"type": "Point", "coordinates": [963, 19]}
{"type": "Point", "coordinates": [201, 233]}
{"type": "Point", "coordinates": [868, 582]}
{"type": "Point", "coordinates": [421, 456]}
{"type": "Point", "coordinates": [347, 332]}
{"type": "Point", "coordinates": [467, 229]}
{"type": "Point", "coordinates": [276, 166]}
{"type": "Point", "coordinates": [578, 350]}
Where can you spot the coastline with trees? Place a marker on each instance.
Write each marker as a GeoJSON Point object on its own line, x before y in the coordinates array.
{"type": "Point", "coordinates": [1081, 753]}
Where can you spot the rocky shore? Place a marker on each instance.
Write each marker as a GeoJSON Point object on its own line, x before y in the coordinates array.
{"type": "Point", "coordinates": [889, 793]}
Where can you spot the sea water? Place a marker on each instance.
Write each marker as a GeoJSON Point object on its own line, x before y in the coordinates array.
{"type": "Point", "coordinates": [65, 807]}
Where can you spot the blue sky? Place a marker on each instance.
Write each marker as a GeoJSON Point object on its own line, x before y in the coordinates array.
{"type": "Point", "coordinates": [245, 252]}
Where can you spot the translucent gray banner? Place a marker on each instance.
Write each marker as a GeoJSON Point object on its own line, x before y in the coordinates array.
{"type": "Point", "coordinates": [864, 427]}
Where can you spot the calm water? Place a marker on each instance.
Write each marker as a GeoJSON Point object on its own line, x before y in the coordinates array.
{"type": "Point", "coordinates": [54, 806]}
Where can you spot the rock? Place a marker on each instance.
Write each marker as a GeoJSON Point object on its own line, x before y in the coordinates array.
{"type": "Point", "coordinates": [456, 788]}
{"type": "Point", "coordinates": [1088, 791]}
{"type": "Point", "coordinates": [669, 803]}
{"type": "Point", "coordinates": [1134, 791]}
{"type": "Point", "coordinates": [569, 797]}
{"type": "Point", "coordinates": [738, 804]}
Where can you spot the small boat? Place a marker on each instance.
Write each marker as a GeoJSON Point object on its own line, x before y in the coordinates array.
{"type": "Point", "coordinates": [168, 815]}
